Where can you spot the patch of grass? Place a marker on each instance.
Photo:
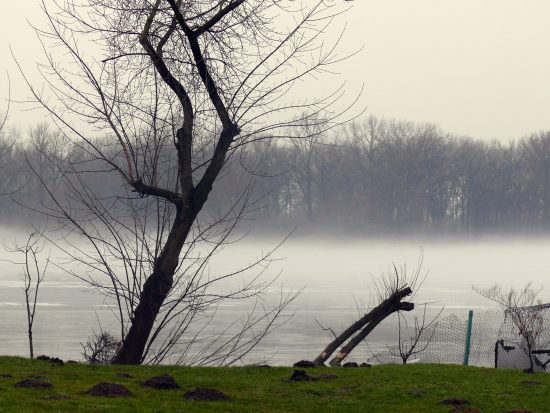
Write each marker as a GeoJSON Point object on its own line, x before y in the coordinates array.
{"type": "Point", "coordinates": [413, 388]}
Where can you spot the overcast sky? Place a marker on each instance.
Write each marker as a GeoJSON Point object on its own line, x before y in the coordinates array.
{"type": "Point", "coordinates": [474, 67]}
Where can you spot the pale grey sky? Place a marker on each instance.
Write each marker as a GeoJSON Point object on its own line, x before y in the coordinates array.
{"type": "Point", "coordinates": [474, 67]}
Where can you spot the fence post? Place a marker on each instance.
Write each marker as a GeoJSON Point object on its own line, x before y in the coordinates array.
{"type": "Point", "coordinates": [468, 337]}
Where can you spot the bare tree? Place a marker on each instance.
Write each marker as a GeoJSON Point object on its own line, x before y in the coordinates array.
{"type": "Point", "coordinates": [100, 348]}
{"type": "Point", "coordinates": [420, 338]}
{"type": "Point", "coordinates": [525, 311]}
{"type": "Point", "coordinates": [33, 274]}
{"type": "Point", "coordinates": [392, 289]}
{"type": "Point", "coordinates": [180, 87]}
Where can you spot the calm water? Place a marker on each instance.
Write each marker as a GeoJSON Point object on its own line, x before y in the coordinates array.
{"type": "Point", "coordinates": [336, 277]}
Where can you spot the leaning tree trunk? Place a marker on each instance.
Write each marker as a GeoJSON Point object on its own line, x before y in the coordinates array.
{"type": "Point", "coordinates": [155, 290]}
{"type": "Point", "coordinates": [344, 351]}
{"type": "Point", "coordinates": [385, 308]}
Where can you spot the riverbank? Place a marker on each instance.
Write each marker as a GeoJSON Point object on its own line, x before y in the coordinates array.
{"type": "Point", "coordinates": [388, 388]}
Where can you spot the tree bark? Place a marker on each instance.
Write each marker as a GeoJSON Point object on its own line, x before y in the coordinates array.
{"type": "Point", "coordinates": [348, 348]}
{"type": "Point", "coordinates": [155, 290]}
{"type": "Point", "coordinates": [388, 306]}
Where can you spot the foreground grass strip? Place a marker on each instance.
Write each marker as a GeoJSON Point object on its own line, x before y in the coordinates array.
{"type": "Point", "coordinates": [414, 389]}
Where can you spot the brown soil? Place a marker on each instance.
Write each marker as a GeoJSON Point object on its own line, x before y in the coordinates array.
{"type": "Point", "coordinates": [465, 409]}
{"type": "Point", "coordinates": [454, 402]}
{"type": "Point", "coordinates": [164, 382]}
{"type": "Point", "coordinates": [54, 360]}
{"type": "Point", "coordinates": [301, 375]}
{"type": "Point", "coordinates": [208, 395]}
{"type": "Point", "coordinates": [109, 390]}
{"type": "Point", "coordinates": [304, 364]}
{"type": "Point", "coordinates": [34, 383]}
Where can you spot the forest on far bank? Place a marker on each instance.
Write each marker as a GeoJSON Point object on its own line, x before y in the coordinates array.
{"type": "Point", "coordinates": [373, 176]}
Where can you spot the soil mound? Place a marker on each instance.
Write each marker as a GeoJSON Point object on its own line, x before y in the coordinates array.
{"type": "Point", "coordinates": [301, 375]}
{"type": "Point", "coordinates": [466, 409]}
{"type": "Point", "coordinates": [351, 364]}
{"type": "Point", "coordinates": [304, 364]}
{"type": "Point", "coordinates": [54, 360]}
{"type": "Point", "coordinates": [454, 402]}
{"type": "Point", "coordinates": [33, 383]}
{"type": "Point", "coordinates": [164, 382]}
{"type": "Point", "coordinates": [208, 395]}
{"type": "Point", "coordinates": [109, 390]}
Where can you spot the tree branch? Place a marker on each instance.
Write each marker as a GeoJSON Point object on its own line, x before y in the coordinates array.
{"type": "Point", "coordinates": [217, 17]}
{"type": "Point", "coordinates": [146, 190]}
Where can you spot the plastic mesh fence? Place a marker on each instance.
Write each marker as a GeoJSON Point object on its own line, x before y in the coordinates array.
{"type": "Point", "coordinates": [448, 339]}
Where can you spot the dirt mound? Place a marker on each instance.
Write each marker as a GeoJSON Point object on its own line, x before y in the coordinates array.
{"type": "Point", "coordinates": [454, 402]}
{"type": "Point", "coordinates": [34, 383]}
{"type": "Point", "coordinates": [207, 395]}
{"type": "Point", "coordinates": [301, 375]}
{"type": "Point", "coordinates": [54, 360]}
{"type": "Point", "coordinates": [304, 364]}
{"type": "Point", "coordinates": [465, 409]}
{"type": "Point", "coordinates": [164, 382]}
{"type": "Point", "coordinates": [351, 364]}
{"type": "Point", "coordinates": [109, 390]}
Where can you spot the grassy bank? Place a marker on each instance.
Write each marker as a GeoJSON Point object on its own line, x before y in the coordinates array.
{"type": "Point", "coordinates": [414, 388]}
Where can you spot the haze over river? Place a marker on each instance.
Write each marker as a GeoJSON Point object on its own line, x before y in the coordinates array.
{"type": "Point", "coordinates": [335, 274]}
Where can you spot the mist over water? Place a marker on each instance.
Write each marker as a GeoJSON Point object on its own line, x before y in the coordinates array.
{"type": "Point", "coordinates": [336, 277]}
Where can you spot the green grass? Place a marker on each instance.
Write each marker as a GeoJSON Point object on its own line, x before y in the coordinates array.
{"type": "Point", "coordinates": [414, 388]}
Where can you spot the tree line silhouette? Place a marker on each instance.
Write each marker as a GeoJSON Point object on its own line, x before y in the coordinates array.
{"type": "Point", "coordinates": [370, 177]}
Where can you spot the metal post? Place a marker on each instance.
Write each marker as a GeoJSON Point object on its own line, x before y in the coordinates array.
{"type": "Point", "coordinates": [468, 337]}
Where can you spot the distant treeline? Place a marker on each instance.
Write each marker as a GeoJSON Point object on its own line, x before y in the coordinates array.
{"type": "Point", "coordinates": [372, 177]}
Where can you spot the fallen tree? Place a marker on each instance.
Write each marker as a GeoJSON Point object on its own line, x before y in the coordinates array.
{"type": "Point", "coordinates": [392, 289]}
{"type": "Point", "coordinates": [365, 324]}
